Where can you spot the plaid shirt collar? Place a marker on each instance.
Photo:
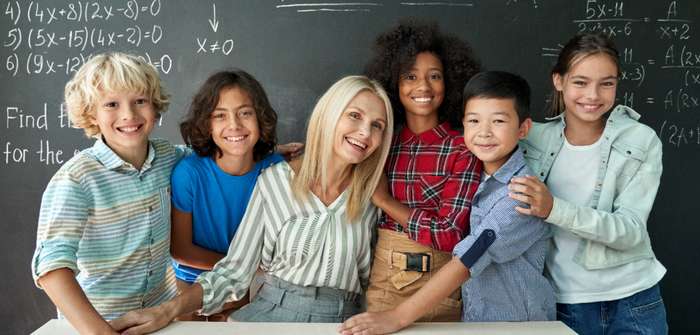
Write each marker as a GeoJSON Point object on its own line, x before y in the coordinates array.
{"type": "Point", "coordinates": [435, 135]}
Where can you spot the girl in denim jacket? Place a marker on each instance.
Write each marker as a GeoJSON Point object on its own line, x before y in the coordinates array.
{"type": "Point", "coordinates": [598, 171]}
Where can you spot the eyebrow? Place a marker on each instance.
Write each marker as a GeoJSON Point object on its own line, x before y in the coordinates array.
{"type": "Point", "coordinates": [497, 113]}
{"type": "Point", "coordinates": [235, 108]}
{"type": "Point", "coordinates": [584, 77]}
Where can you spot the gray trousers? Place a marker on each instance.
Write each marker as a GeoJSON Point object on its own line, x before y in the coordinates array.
{"type": "Point", "coordinates": [281, 301]}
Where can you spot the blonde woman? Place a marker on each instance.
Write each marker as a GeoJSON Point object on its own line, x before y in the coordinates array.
{"type": "Point", "coordinates": [307, 225]}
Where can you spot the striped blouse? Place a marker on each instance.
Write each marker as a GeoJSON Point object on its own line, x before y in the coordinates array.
{"type": "Point", "coordinates": [303, 242]}
{"type": "Point", "coordinates": [110, 224]}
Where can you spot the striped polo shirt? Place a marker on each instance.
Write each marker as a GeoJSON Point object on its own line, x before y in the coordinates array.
{"type": "Point", "coordinates": [305, 243]}
{"type": "Point", "coordinates": [110, 224]}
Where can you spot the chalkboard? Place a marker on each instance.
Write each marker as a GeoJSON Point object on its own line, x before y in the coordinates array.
{"type": "Point", "coordinates": [297, 49]}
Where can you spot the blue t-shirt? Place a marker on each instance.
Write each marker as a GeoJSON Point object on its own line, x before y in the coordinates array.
{"type": "Point", "coordinates": [217, 201]}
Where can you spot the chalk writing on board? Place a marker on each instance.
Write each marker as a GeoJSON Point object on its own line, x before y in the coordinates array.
{"type": "Point", "coordinates": [41, 64]}
{"type": "Point", "coordinates": [312, 7]}
{"type": "Point", "coordinates": [79, 11]}
{"type": "Point", "coordinates": [83, 37]}
{"type": "Point", "coordinates": [438, 3]}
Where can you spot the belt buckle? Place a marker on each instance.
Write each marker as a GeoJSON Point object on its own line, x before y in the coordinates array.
{"type": "Point", "coordinates": [419, 262]}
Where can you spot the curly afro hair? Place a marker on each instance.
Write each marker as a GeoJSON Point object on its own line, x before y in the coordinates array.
{"type": "Point", "coordinates": [395, 53]}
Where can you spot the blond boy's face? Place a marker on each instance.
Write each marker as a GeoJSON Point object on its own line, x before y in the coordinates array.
{"type": "Point", "coordinates": [492, 130]}
{"type": "Point", "coordinates": [125, 120]}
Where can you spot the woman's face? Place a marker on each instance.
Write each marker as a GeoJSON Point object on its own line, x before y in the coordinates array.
{"type": "Point", "coordinates": [422, 88]}
{"type": "Point", "coordinates": [360, 129]}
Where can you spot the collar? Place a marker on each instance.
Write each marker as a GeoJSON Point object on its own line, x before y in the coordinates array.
{"type": "Point", "coordinates": [514, 164]}
{"type": "Point", "coordinates": [107, 157]}
{"type": "Point", "coordinates": [435, 135]}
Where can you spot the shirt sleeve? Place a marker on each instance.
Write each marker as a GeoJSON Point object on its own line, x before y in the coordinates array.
{"type": "Point", "coordinates": [182, 183]}
{"type": "Point", "coordinates": [502, 236]}
{"type": "Point", "coordinates": [444, 228]}
{"type": "Point", "coordinates": [624, 227]}
{"type": "Point", "coordinates": [231, 276]}
{"type": "Point", "coordinates": [62, 219]}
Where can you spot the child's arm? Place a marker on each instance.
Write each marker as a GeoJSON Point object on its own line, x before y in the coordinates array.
{"type": "Point", "coordinates": [443, 228]}
{"type": "Point", "coordinates": [290, 150]}
{"type": "Point", "coordinates": [622, 227]}
{"type": "Point", "coordinates": [181, 247]}
{"type": "Point", "coordinates": [439, 287]}
{"type": "Point", "coordinates": [60, 285]}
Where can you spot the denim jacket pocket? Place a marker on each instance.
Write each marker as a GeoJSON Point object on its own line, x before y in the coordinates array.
{"type": "Point", "coordinates": [625, 161]}
{"type": "Point", "coordinates": [533, 157]}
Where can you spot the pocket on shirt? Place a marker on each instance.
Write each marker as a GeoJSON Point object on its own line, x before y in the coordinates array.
{"type": "Point", "coordinates": [431, 187]}
{"type": "Point", "coordinates": [165, 202]}
{"type": "Point", "coordinates": [631, 158]}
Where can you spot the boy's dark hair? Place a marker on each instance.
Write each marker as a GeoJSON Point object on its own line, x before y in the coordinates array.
{"type": "Point", "coordinates": [499, 85]}
{"type": "Point", "coordinates": [395, 53]}
{"type": "Point", "coordinates": [196, 128]}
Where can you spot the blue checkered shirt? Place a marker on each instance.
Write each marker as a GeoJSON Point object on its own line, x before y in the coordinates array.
{"type": "Point", "coordinates": [505, 253]}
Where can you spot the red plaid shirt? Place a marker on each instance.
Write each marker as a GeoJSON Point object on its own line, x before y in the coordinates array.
{"type": "Point", "coordinates": [436, 176]}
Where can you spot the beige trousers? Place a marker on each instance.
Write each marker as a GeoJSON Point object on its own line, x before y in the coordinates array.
{"type": "Point", "coordinates": [390, 284]}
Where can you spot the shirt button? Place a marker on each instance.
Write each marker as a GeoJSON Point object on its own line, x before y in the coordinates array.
{"type": "Point", "coordinates": [150, 208]}
{"type": "Point", "coordinates": [542, 174]}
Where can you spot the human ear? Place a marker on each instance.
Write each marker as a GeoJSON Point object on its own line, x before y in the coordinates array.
{"type": "Point", "coordinates": [558, 82]}
{"type": "Point", "coordinates": [524, 128]}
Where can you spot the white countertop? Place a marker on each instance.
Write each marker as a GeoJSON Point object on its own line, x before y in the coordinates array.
{"type": "Point", "coordinates": [62, 327]}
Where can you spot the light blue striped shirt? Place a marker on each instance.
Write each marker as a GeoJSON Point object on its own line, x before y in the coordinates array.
{"type": "Point", "coordinates": [110, 224]}
{"type": "Point", "coordinates": [505, 253]}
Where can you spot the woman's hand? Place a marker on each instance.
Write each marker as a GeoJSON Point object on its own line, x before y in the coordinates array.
{"type": "Point", "coordinates": [142, 321]}
{"type": "Point", "coordinates": [290, 150]}
{"type": "Point", "coordinates": [371, 323]}
{"type": "Point", "coordinates": [532, 191]}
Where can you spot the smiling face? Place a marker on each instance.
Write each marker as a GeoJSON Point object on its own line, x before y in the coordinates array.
{"type": "Point", "coordinates": [234, 125]}
{"type": "Point", "coordinates": [492, 130]}
{"type": "Point", "coordinates": [125, 120]}
{"type": "Point", "coordinates": [360, 128]}
{"type": "Point", "coordinates": [422, 88]}
{"type": "Point", "coordinates": [588, 89]}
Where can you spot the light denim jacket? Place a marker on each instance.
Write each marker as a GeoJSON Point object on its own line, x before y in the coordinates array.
{"type": "Point", "coordinates": [613, 224]}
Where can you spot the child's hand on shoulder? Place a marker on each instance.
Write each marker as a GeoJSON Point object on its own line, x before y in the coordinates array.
{"type": "Point", "coordinates": [531, 191]}
{"type": "Point", "coordinates": [290, 150]}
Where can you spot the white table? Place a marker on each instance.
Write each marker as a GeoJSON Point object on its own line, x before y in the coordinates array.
{"type": "Point", "coordinates": [62, 327]}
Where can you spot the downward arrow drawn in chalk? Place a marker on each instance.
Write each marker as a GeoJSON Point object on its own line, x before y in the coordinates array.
{"type": "Point", "coordinates": [213, 22]}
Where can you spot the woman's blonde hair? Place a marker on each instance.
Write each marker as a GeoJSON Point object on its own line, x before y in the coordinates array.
{"type": "Point", "coordinates": [319, 145]}
{"type": "Point", "coordinates": [110, 72]}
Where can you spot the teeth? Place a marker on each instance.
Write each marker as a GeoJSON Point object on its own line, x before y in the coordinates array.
{"type": "Point", "coordinates": [234, 138]}
{"type": "Point", "coordinates": [590, 107]}
{"type": "Point", "coordinates": [422, 100]}
{"type": "Point", "coordinates": [356, 143]}
{"type": "Point", "coordinates": [128, 129]}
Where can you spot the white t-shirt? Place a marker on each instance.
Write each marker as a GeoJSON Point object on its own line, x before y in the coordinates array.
{"type": "Point", "coordinates": [573, 178]}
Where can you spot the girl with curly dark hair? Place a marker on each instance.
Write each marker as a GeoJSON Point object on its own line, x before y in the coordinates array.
{"type": "Point", "coordinates": [431, 175]}
{"type": "Point", "coordinates": [231, 128]}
